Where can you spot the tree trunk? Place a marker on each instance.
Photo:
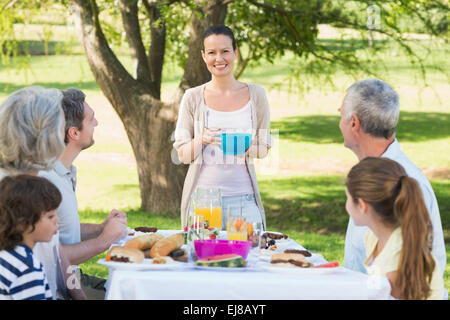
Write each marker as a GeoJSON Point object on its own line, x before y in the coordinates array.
{"type": "Point", "coordinates": [161, 179]}
{"type": "Point", "coordinates": [148, 121]}
{"type": "Point", "coordinates": [195, 71]}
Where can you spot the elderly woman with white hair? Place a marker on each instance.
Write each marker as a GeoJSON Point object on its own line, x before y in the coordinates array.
{"type": "Point", "coordinates": [32, 139]}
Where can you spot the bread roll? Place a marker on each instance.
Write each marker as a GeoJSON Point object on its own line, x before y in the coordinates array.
{"type": "Point", "coordinates": [123, 254]}
{"type": "Point", "coordinates": [165, 246]}
{"type": "Point", "coordinates": [144, 242]}
{"type": "Point", "coordinates": [288, 256]}
{"type": "Point", "coordinates": [290, 260]}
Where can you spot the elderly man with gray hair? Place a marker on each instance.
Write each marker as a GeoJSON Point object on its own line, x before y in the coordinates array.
{"type": "Point", "coordinates": [369, 117]}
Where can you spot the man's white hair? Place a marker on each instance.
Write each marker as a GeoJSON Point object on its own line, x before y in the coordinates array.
{"type": "Point", "coordinates": [376, 104]}
{"type": "Point", "coordinates": [31, 130]}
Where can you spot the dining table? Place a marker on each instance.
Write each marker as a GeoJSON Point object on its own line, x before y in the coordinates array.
{"type": "Point", "coordinates": [258, 281]}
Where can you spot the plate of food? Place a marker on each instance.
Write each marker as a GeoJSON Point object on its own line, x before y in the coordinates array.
{"type": "Point", "coordinates": [275, 235]}
{"type": "Point", "coordinates": [298, 263]}
{"type": "Point", "coordinates": [275, 241]}
{"type": "Point", "coordinates": [123, 258]}
{"type": "Point", "coordinates": [151, 251]}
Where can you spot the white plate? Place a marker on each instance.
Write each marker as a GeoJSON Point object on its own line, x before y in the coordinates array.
{"type": "Point", "coordinates": [145, 265]}
{"type": "Point", "coordinates": [227, 269]}
{"type": "Point", "coordinates": [298, 270]}
{"type": "Point", "coordinates": [316, 259]}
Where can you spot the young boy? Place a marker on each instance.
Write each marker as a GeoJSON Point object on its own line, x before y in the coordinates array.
{"type": "Point", "coordinates": [27, 216]}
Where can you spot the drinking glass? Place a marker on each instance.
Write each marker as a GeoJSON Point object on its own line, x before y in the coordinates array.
{"type": "Point", "coordinates": [254, 232]}
{"type": "Point", "coordinates": [207, 202]}
{"type": "Point", "coordinates": [236, 224]}
{"type": "Point", "coordinates": [196, 231]}
{"type": "Point", "coordinates": [196, 228]}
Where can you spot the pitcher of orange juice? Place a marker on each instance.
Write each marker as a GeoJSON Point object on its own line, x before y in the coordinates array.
{"type": "Point", "coordinates": [207, 202]}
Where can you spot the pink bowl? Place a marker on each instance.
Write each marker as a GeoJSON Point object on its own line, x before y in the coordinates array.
{"type": "Point", "coordinates": [213, 247]}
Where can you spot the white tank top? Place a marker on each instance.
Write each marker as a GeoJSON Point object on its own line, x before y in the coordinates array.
{"type": "Point", "coordinates": [227, 172]}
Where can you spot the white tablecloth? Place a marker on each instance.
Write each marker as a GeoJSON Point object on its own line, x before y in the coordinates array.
{"type": "Point", "coordinates": [192, 284]}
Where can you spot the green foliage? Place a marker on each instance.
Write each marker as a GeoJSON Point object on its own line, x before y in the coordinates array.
{"type": "Point", "coordinates": [176, 20]}
{"type": "Point", "coordinates": [418, 16]}
{"type": "Point", "coordinates": [13, 13]}
{"type": "Point", "coordinates": [265, 31]}
{"type": "Point", "coordinates": [7, 48]}
{"type": "Point", "coordinates": [269, 34]}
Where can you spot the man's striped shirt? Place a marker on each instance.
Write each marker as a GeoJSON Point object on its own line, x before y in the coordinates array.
{"type": "Point", "coordinates": [22, 276]}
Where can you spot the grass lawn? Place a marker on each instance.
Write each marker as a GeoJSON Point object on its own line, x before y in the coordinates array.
{"type": "Point", "coordinates": [301, 183]}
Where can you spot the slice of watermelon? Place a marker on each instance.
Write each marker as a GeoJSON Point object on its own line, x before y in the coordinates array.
{"type": "Point", "coordinates": [223, 260]}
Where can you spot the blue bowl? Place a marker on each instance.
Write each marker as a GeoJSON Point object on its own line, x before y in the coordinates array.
{"type": "Point", "coordinates": [235, 143]}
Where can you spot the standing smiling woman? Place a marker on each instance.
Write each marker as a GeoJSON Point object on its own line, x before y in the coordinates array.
{"type": "Point", "coordinates": [208, 109]}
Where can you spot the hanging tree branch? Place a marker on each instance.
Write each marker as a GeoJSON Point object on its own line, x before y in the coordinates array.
{"type": "Point", "coordinates": [129, 12]}
{"type": "Point", "coordinates": [158, 42]}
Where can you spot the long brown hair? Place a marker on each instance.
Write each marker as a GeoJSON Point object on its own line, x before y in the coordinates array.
{"type": "Point", "coordinates": [398, 201]}
{"type": "Point", "coordinates": [23, 200]}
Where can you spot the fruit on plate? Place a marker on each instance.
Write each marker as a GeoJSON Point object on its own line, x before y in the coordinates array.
{"type": "Point", "coordinates": [222, 260]}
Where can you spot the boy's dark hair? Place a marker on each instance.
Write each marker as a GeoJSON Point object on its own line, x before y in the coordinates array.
{"type": "Point", "coordinates": [73, 106]}
{"type": "Point", "coordinates": [23, 200]}
{"type": "Point", "coordinates": [219, 29]}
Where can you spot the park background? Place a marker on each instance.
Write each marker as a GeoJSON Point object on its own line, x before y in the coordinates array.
{"type": "Point", "coordinates": [302, 182]}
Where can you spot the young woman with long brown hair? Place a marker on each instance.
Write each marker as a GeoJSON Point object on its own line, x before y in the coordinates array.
{"type": "Point", "coordinates": [399, 241]}
{"type": "Point", "coordinates": [219, 105]}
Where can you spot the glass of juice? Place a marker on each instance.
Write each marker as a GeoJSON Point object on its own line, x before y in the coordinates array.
{"type": "Point", "coordinates": [207, 202]}
{"type": "Point", "coordinates": [236, 224]}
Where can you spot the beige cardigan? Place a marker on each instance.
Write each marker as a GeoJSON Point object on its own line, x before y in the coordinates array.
{"type": "Point", "coordinates": [191, 123]}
